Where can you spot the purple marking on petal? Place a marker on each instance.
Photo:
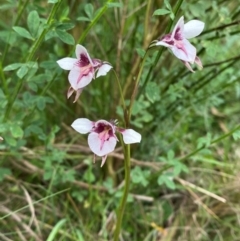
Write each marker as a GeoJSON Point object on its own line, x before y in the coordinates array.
{"type": "Point", "coordinates": [171, 42]}
{"type": "Point", "coordinates": [178, 35]}
{"type": "Point", "coordinates": [101, 127]}
{"type": "Point", "coordinates": [84, 72]}
{"type": "Point", "coordinates": [83, 60]}
{"type": "Point", "coordinates": [167, 39]}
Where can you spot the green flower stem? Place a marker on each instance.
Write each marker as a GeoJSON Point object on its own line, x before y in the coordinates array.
{"type": "Point", "coordinates": [94, 21]}
{"type": "Point", "coordinates": [135, 89]}
{"type": "Point", "coordinates": [176, 9]}
{"type": "Point", "coordinates": [29, 58]}
{"type": "Point", "coordinates": [4, 82]}
{"type": "Point", "coordinates": [120, 90]}
{"type": "Point", "coordinates": [125, 193]}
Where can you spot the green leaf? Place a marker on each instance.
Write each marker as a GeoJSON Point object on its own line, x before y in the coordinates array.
{"type": "Point", "coordinates": [12, 67]}
{"type": "Point", "coordinates": [33, 22]}
{"type": "Point", "coordinates": [161, 11]}
{"type": "Point", "coordinates": [172, 16]}
{"type": "Point", "coordinates": [204, 141]}
{"type": "Point", "coordinates": [84, 19]}
{"type": "Point", "coordinates": [52, 1]}
{"type": "Point", "coordinates": [89, 176]}
{"type": "Point", "coordinates": [16, 131]}
{"type": "Point", "coordinates": [65, 37]}
{"type": "Point", "coordinates": [41, 104]}
{"type": "Point", "coordinates": [53, 235]}
{"type": "Point", "coordinates": [23, 32]}
{"type": "Point", "coordinates": [9, 37]}
{"type": "Point", "coordinates": [168, 5]}
{"type": "Point", "coordinates": [152, 92]}
{"type": "Point", "coordinates": [236, 135]}
{"type": "Point", "coordinates": [22, 71]}
{"type": "Point", "coordinates": [170, 155]}
{"type": "Point", "coordinates": [66, 26]}
{"type": "Point", "coordinates": [114, 5]}
{"type": "Point", "coordinates": [11, 141]}
{"type": "Point", "coordinates": [33, 86]}
{"type": "Point", "coordinates": [170, 184]}
{"type": "Point", "coordinates": [89, 10]}
{"type": "Point", "coordinates": [141, 52]}
{"type": "Point", "coordinates": [4, 172]}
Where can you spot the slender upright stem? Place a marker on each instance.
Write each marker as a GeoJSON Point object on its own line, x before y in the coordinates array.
{"type": "Point", "coordinates": [93, 22]}
{"type": "Point", "coordinates": [134, 93]}
{"type": "Point", "coordinates": [125, 193]}
{"type": "Point", "coordinates": [120, 90]}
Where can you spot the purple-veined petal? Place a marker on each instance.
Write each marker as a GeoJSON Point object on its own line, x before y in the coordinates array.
{"type": "Point", "coordinates": [130, 136]}
{"type": "Point", "coordinates": [82, 125]}
{"type": "Point", "coordinates": [103, 70]}
{"type": "Point", "coordinates": [78, 78]}
{"type": "Point", "coordinates": [81, 51]}
{"type": "Point", "coordinates": [104, 158]}
{"type": "Point", "coordinates": [67, 63]}
{"type": "Point", "coordinates": [193, 28]}
{"type": "Point", "coordinates": [185, 51]}
{"type": "Point", "coordinates": [162, 43]}
{"type": "Point", "coordinates": [96, 146]}
{"type": "Point", "coordinates": [177, 33]}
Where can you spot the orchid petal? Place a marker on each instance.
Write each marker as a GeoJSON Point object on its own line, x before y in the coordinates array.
{"type": "Point", "coordinates": [77, 79]}
{"type": "Point", "coordinates": [193, 28]}
{"type": "Point", "coordinates": [78, 93]}
{"type": "Point", "coordinates": [96, 146]}
{"type": "Point", "coordinates": [103, 70]}
{"type": "Point", "coordinates": [80, 50]}
{"type": "Point", "coordinates": [67, 63]}
{"type": "Point", "coordinates": [82, 125]}
{"type": "Point", "coordinates": [162, 43]}
{"type": "Point", "coordinates": [70, 92]}
{"type": "Point", "coordinates": [188, 66]}
{"type": "Point", "coordinates": [104, 158]}
{"type": "Point", "coordinates": [130, 136]}
{"type": "Point", "coordinates": [186, 51]}
{"type": "Point", "coordinates": [177, 33]}
{"type": "Point", "coordinates": [198, 62]}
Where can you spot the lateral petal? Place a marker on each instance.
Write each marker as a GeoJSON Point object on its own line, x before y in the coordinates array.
{"type": "Point", "coordinates": [193, 28]}
{"type": "Point", "coordinates": [82, 125]}
{"type": "Point", "coordinates": [130, 136]}
{"type": "Point", "coordinates": [103, 70]}
{"type": "Point", "coordinates": [96, 146]}
{"type": "Point", "coordinates": [67, 63]}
